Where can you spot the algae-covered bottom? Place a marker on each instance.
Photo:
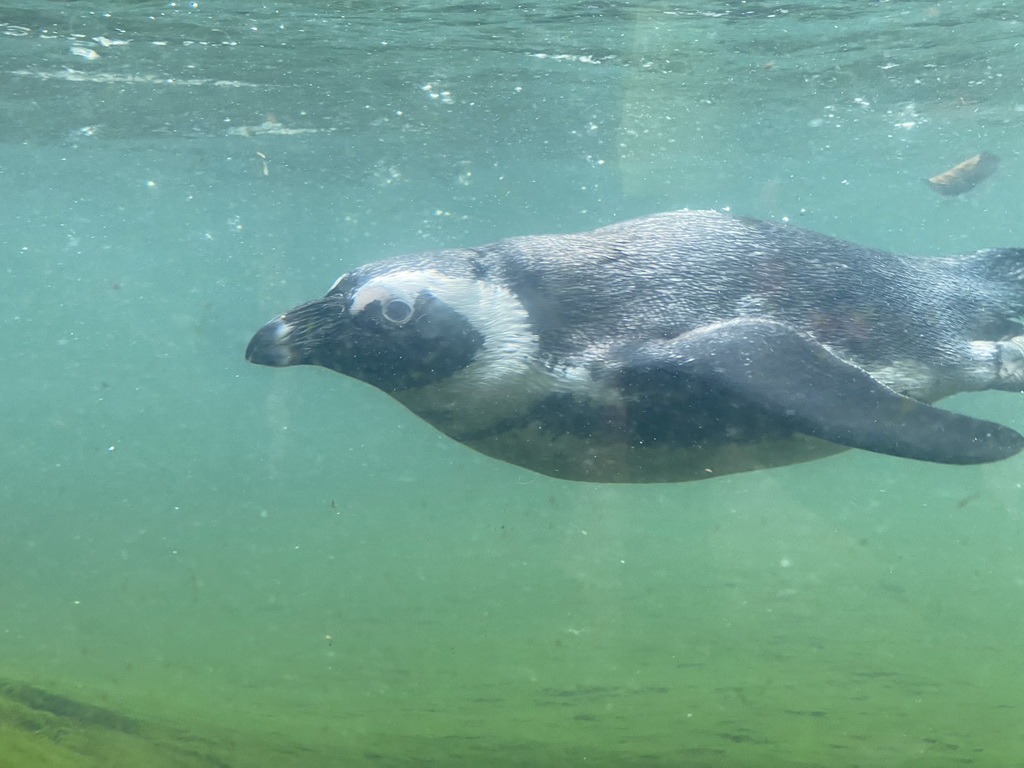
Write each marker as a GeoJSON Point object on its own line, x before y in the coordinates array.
{"type": "Point", "coordinates": [750, 725]}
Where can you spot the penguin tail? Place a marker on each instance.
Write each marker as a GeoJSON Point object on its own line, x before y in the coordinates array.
{"type": "Point", "coordinates": [995, 303]}
{"type": "Point", "coordinates": [1001, 265]}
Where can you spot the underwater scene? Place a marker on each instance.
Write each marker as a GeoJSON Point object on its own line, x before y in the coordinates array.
{"type": "Point", "coordinates": [207, 563]}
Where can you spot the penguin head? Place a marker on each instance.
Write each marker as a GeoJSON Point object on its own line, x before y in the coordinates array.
{"type": "Point", "coordinates": [402, 325]}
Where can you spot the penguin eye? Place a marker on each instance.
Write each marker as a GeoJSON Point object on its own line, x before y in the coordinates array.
{"type": "Point", "coordinates": [397, 311]}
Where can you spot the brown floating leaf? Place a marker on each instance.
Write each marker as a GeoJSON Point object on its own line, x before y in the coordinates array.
{"type": "Point", "coordinates": [964, 176]}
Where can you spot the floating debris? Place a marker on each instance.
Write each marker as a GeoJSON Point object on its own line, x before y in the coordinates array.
{"type": "Point", "coordinates": [965, 176]}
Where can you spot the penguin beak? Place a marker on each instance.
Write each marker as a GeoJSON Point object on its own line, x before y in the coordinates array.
{"type": "Point", "coordinates": [272, 345]}
{"type": "Point", "coordinates": [301, 336]}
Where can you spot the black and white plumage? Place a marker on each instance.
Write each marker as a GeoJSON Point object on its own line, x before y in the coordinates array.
{"type": "Point", "coordinates": [677, 346]}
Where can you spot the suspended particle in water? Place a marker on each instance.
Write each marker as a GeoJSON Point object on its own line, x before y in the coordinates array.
{"type": "Point", "coordinates": [86, 53]}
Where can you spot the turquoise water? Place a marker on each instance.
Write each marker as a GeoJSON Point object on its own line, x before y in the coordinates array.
{"type": "Point", "coordinates": [206, 563]}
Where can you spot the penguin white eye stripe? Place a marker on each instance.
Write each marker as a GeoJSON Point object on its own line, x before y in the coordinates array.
{"type": "Point", "coordinates": [490, 309]}
{"type": "Point", "coordinates": [374, 291]}
{"type": "Point", "coordinates": [404, 284]}
{"type": "Point", "coordinates": [473, 299]}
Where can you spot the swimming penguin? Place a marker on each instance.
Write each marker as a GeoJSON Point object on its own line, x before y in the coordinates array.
{"type": "Point", "coordinates": [678, 346]}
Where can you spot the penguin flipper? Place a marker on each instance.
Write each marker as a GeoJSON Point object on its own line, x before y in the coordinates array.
{"type": "Point", "coordinates": [774, 368]}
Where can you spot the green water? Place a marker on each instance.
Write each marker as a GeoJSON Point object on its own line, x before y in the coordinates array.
{"type": "Point", "coordinates": [204, 563]}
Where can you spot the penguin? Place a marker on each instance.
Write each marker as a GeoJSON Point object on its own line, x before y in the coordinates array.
{"type": "Point", "coordinates": [680, 346]}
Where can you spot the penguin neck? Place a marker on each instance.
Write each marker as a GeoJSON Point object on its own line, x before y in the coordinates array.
{"type": "Point", "coordinates": [475, 399]}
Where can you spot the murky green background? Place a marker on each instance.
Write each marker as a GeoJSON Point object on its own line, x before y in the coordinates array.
{"type": "Point", "coordinates": [205, 563]}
